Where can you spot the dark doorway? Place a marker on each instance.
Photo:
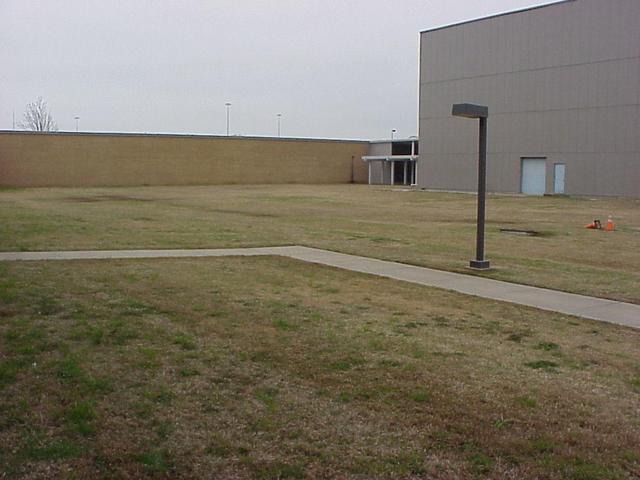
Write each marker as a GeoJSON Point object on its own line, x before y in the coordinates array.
{"type": "Point", "coordinates": [398, 174]}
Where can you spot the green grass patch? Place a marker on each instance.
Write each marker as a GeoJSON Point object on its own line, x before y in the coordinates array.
{"type": "Point", "coordinates": [480, 463]}
{"type": "Point", "coordinates": [527, 402]}
{"type": "Point", "coordinates": [517, 337]}
{"type": "Point", "coordinates": [391, 466]}
{"type": "Point", "coordinates": [155, 460]}
{"type": "Point", "coordinates": [55, 449]}
{"type": "Point", "coordinates": [68, 369]}
{"type": "Point", "coordinates": [542, 445]}
{"type": "Point", "coordinates": [80, 417]}
{"type": "Point", "coordinates": [27, 340]}
{"type": "Point", "coordinates": [268, 397]}
{"type": "Point", "coordinates": [8, 289]}
{"type": "Point", "coordinates": [545, 365]}
{"type": "Point", "coordinates": [284, 325]}
{"type": "Point", "coordinates": [95, 335]}
{"type": "Point", "coordinates": [347, 363]}
{"type": "Point", "coordinates": [121, 331]}
{"type": "Point", "coordinates": [579, 469]}
{"type": "Point", "coordinates": [184, 341]}
{"type": "Point", "coordinates": [631, 456]}
{"type": "Point", "coordinates": [275, 470]}
{"type": "Point", "coordinates": [133, 307]}
{"type": "Point", "coordinates": [219, 446]}
{"type": "Point", "coordinates": [547, 346]}
{"type": "Point", "coordinates": [161, 395]}
{"type": "Point", "coordinates": [419, 396]}
{"type": "Point", "coordinates": [46, 306]}
{"type": "Point", "coordinates": [149, 358]}
{"type": "Point", "coordinates": [9, 371]}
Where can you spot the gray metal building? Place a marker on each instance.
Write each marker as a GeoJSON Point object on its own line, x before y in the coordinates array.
{"type": "Point", "coordinates": [562, 83]}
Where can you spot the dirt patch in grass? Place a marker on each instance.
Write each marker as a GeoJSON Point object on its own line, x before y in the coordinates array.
{"type": "Point", "coordinates": [107, 198]}
{"type": "Point", "coordinates": [245, 213]}
{"type": "Point", "coordinates": [272, 368]}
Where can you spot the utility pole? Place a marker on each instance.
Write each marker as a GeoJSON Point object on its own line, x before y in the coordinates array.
{"type": "Point", "coordinates": [228, 105]}
{"type": "Point", "coordinates": [279, 118]}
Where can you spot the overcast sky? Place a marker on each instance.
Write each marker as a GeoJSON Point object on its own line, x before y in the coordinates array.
{"type": "Point", "coordinates": [333, 68]}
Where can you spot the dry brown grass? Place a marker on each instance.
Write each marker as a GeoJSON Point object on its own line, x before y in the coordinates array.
{"type": "Point", "coordinates": [272, 368]}
{"type": "Point", "coordinates": [430, 229]}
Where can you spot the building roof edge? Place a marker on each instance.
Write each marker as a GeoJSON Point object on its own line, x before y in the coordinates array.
{"type": "Point", "coordinates": [503, 14]}
{"type": "Point", "coordinates": [186, 135]}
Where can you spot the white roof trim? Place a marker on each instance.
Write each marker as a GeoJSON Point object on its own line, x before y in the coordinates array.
{"type": "Point", "coordinates": [389, 158]}
{"type": "Point", "coordinates": [396, 140]}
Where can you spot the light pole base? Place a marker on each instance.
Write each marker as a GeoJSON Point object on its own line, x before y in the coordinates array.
{"type": "Point", "coordinates": [480, 264]}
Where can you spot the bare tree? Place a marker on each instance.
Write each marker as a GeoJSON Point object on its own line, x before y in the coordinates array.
{"type": "Point", "coordinates": [37, 118]}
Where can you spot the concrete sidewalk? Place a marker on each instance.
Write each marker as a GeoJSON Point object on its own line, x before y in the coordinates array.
{"type": "Point", "coordinates": [579, 305]}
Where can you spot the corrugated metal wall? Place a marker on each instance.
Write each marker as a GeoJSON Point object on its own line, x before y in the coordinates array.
{"type": "Point", "coordinates": [561, 82]}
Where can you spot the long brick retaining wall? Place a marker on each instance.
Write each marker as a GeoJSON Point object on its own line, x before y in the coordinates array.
{"type": "Point", "coordinates": [86, 160]}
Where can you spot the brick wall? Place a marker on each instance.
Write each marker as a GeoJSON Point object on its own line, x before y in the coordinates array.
{"type": "Point", "coordinates": [87, 160]}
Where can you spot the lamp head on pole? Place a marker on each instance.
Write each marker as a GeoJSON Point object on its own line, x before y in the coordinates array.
{"type": "Point", "coordinates": [469, 110]}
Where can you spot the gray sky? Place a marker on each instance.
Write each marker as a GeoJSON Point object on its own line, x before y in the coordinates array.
{"type": "Point", "coordinates": [345, 69]}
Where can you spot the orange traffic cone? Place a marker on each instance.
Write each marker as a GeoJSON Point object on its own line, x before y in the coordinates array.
{"type": "Point", "coordinates": [610, 226]}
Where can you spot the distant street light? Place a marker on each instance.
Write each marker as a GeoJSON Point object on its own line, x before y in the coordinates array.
{"type": "Point", "coordinates": [480, 112]}
{"type": "Point", "coordinates": [77, 123]}
{"type": "Point", "coordinates": [279, 118]}
{"type": "Point", "coordinates": [393, 131]}
{"type": "Point", "coordinates": [228, 105]}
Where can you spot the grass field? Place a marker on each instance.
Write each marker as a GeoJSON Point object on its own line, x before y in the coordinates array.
{"type": "Point", "coordinates": [271, 368]}
{"type": "Point", "coordinates": [428, 229]}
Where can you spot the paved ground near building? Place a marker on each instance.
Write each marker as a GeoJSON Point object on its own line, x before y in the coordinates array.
{"type": "Point", "coordinates": [583, 306]}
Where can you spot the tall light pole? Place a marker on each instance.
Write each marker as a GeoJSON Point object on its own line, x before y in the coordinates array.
{"type": "Point", "coordinates": [77, 123]}
{"type": "Point", "coordinates": [228, 105]}
{"type": "Point", "coordinates": [393, 131]}
{"type": "Point", "coordinates": [279, 118]}
{"type": "Point", "coordinates": [480, 112]}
